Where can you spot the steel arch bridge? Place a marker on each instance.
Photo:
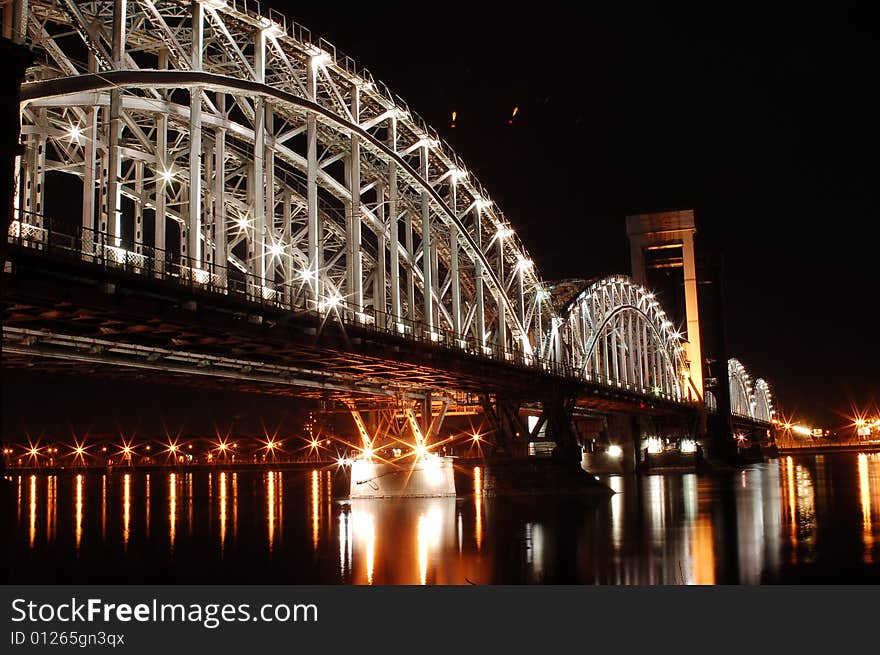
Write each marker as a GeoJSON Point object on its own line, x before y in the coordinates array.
{"type": "Point", "coordinates": [615, 331]}
{"type": "Point", "coordinates": [230, 150]}
{"type": "Point", "coordinates": [749, 400]}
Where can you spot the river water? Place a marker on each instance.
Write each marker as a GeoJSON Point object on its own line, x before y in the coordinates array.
{"type": "Point", "coordinates": [792, 520]}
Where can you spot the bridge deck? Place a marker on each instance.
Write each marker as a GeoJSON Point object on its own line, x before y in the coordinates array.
{"type": "Point", "coordinates": [66, 315]}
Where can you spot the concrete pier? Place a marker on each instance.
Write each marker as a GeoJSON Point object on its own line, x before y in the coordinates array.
{"type": "Point", "coordinates": [429, 476]}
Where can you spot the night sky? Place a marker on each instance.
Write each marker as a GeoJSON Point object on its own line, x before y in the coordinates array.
{"type": "Point", "coordinates": [762, 121]}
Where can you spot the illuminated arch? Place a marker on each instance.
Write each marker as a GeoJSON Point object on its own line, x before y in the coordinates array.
{"type": "Point", "coordinates": [741, 392]}
{"type": "Point", "coordinates": [616, 332]}
{"type": "Point", "coordinates": [763, 402]}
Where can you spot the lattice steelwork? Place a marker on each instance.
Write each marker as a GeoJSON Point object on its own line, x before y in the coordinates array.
{"type": "Point", "coordinates": [763, 403]}
{"type": "Point", "coordinates": [616, 332]}
{"type": "Point", "coordinates": [229, 148]}
{"type": "Point", "coordinates": [747, 399]}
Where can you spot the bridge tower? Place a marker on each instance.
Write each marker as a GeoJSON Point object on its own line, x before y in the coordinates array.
{"type": "Point", "coordinates": [690, 285]}
{"type": "Point", "coordinates": [663, 259]}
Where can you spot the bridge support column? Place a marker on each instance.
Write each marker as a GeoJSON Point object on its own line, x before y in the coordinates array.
{"type": "Point", "coordinates": [501, 322]}
{"type": "Point", "coordinates": [354, 292]}
{"type": "Point", "coordinates": [193, 243]}
{"type": "Point", "coordinates": [257, 194]}
{"type": "Point", "coordinates": [219, 193]}
{"type": "Point", "coordinates": [560, 428]}
{"type": "Point", "coordinates": [139, 209]}
{"type": "Point", "coordinates": [478, 280]}
{"type": "Point", "coordinates": [507, 426]}
{"type": "Point", "coordinates": [453, 258]}
{"type": "Point", "coordinates": [316, 263]}
{"type": "Point", "coordinates": [18, 29]}
{"type": "Point", "coordinates": [90, 137]}
{"type": "Point", "coordinates": [625, 430]}
{"type": "Point", "coordinates": [163, 178]}
{"type": "Point", "coordinates": [35, 176]}
{"type": "Point", "coordinates": [427, 278]}
{"type": "Point", "coordinates": [380, 304]}
{"type": "Point", "coordinates": [394, 224]}
{"type": "Point", "coordinates": [114, 151]}
{"type": "Point", "coordinates": [192, 246]}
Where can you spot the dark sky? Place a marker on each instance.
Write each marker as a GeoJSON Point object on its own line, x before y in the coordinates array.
{"type": "Point", "coordinates": [762, 120]}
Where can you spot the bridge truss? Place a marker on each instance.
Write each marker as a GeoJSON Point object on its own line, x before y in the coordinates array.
{"type": "Point", "coordinates": [747, 399]}
{"type": "Point", "coordinates": [225, 147]}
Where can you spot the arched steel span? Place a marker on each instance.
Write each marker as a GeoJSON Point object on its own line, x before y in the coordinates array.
{"type": "Point", "coordinates": [235, 150]}
{"type": "Point", "coordinates": [749, 400]}
{"type": "Point", "coordinates": [616, 332]}
{"type": "Point", "coordinates": [763, 407]}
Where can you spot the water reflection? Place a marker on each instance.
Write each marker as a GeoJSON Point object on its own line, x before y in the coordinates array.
{"type": "Point", "coordinates": [172, 510]}
{"type": "Point", "coordinates": [790, 505]}
{"type": "Point", "coordinates": [235, 506]}
{"type": "Point", "coordinates": [799, 502]}
{"type": "Point", "coordinates": [699, 534]}
{"type": "Point", "coordinates": [534, 543]}
{"type": "Point", "coordinates": [270, 508]}
{"type": "Point", "coordinates": [315, 505]}
{"type": "Point", "coordinates": [147, 508]}
{"type": "Point", "coordinates": [616, 484]}
{"type": "Point", "coordinates": [865, 493]}
{"type": "Point", "coordinates": [770, 522]}
{"type": "Point", "coordinates": [222, 511]}
{"type": "Point", "coordinates": [126, 508]}
{"type": "Point", "coordinates": [758, 515]}
{"type": "Point", "coordinates": [189, 503]}
{"type": "Point", "coordinates": [33, 508]}
{"type": "Point", "coordinates": [344, 540]}
{"type": "Point", "coordinates": [79, 510]}
{"type": "Point", "coordinates": [412, 536]}
{"type": "Point", "coordinates": [478, 506]}
{"type": "Point", "coordinates": [103, 508]}
{"type": "Point", "coordinates": [274, 506]}
{"type": "Point", "coordinates": [51, 506]}
{"type": "Point", "coordinates": [703, 551]}
{"type": "Point", "coordinates": [365, 535]}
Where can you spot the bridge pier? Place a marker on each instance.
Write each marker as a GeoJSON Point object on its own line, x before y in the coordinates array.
{"type": "Point", "coordinates": [620, 430]}
{"type": "Point", "coordinates": [511, 433]}
{"type": "Point", "coordinates": [620, 445]}
{"type": "Point", "coordinates": [506, 424]}
{"type": "Point", "coordinates": [558, 411]}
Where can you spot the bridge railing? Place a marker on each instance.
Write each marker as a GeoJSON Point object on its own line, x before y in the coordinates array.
{"type": "Point", "coordinates": [73, 242]}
